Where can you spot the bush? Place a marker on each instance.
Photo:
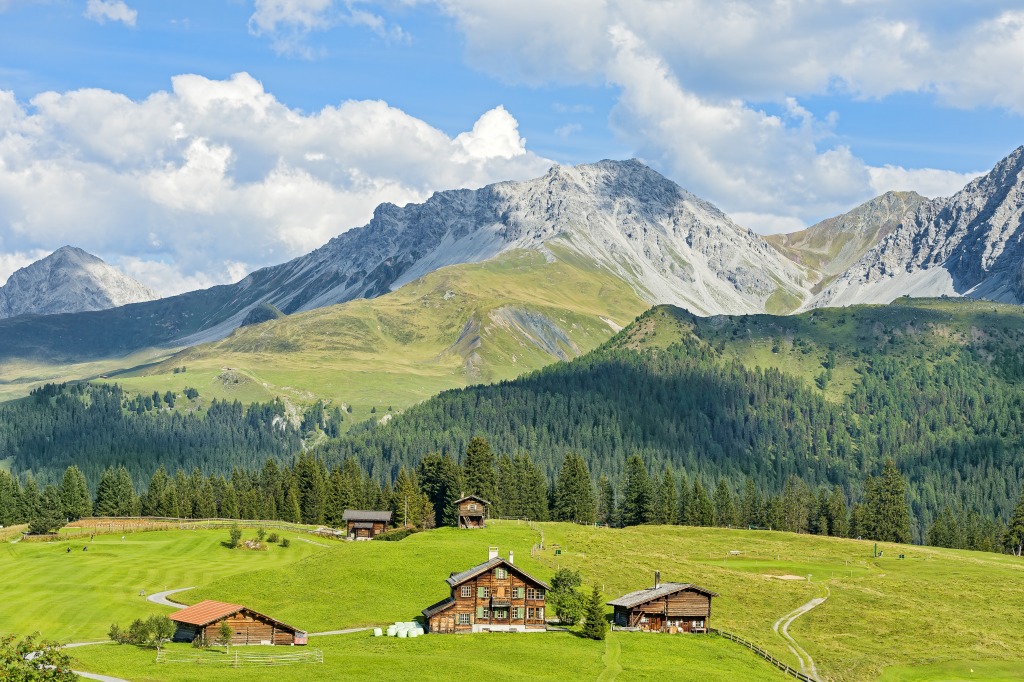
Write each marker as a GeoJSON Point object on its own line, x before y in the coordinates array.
{"type": "Point", "coordinates": [236, 535]}
{"type": "Point", "coordinates": [273, 538]}
{"type": "Point", "coordinates": [261, 534]}
{"type": "Point", "coordinates": [396, 534]}
{"type": "Point", "coordinates": [286, 542]}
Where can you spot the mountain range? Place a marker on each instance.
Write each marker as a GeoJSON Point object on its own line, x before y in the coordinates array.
{"type": "Point", "coordinates": [613, 221]}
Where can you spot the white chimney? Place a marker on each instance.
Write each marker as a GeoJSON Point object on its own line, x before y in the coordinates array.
{"type": "Point", "coordinates": [511, 557]}
{"type": "Point", "coordinates": [492, 553]}
{"type": "Point", "coordinates": [657, 579]}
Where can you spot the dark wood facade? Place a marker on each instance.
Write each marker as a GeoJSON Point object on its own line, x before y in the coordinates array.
{"type": "Point", "coordinates": [494, 596]}
{"type": "Point", "coordinates": [666, 607]}
{"type": "Point", "coordinates": [248, 627]}
{"type": "Point", "coordinates": [365, 525]}
{"type": "Point", "coordinates": [472, 511]}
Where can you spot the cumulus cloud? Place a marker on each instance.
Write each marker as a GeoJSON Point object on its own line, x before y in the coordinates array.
{"type": "Point", "coordinates": [290, 23]}
{"type": "Point", "coordinates": [690, 73]}
{"type": "Point", "coordinates": [197, 185]}
{"type": "Point", "coordinates": [9, 262]}
{"type": "Point", "coordinates": [103, 11]}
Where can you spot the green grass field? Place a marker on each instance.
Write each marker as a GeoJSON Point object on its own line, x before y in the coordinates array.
{"type": "Point", "coordinates": [934, 615]}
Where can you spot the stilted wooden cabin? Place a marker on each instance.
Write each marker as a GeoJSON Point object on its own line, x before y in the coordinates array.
{"type": "Point", "coordinates": [365, 525]}
{"type": "Point", "coordinates": [472, 511]}
{"type": "Point", "coordinates": [203, 621]}
{"type": "Point", "coordinates": [495, 596]}
{"type": "Point", "coordinates": [666, 607]}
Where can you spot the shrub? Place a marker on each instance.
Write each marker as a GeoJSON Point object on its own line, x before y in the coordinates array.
{"type": "Point", "coordinates": [236, 535]}
{"type": "Point", "coordinates": [396, 534]}
{"type": "Point", "coordinates": [286, 542]}
{"type": "Point", "coordinates": [273, 538]}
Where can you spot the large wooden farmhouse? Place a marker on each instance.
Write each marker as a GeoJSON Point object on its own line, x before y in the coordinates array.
{"type": "Point", "coordinates": [365, 525]}
{"type": "Point", "coordinates": [494, 596]}
{"type": "Point", "coordinates": [666, 607]}
{"type": "Point", "coordinates": [203, 621]}
{"type": "Point", "coordinates": [472, 511]}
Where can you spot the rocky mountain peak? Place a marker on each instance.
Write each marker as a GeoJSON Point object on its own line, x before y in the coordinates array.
{"type": "Point", "coordinates": [69, 280]}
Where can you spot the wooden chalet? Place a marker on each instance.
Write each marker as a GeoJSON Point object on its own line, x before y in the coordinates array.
{"type": "Point", "coordinates": [365, 525]}
{"type": "Point", "coordinates": [666, 607]}
{"type": "Point", "coordinates": [495, 596]}
{"type": "Point", "coordinates": [203, 621]}
{"type": "Point", "coordinates": [472, 511]}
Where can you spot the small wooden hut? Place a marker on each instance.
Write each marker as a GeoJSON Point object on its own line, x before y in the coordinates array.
{"type": "Point", "coordinates": [666, 607]}
{"type": "Point", "coordinates": [495, 596]}
{"type": "Point", "coordinates": [203, 621]}
{"type": "Point", "coordinates": [472, 511]}
{"type": "Point", "coordinates": [365, 525]}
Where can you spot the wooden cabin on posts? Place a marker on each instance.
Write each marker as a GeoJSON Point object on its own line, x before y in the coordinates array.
{"type": "Point", "coordinates": [666, 607]}
{"type": "Point", "coordinates": [472, 511]}
{"type": "Point", "coordinates": [365, 525]}
{"type": "Point", "coordinates": [203, 621]}
{"type": "Point", "coordinates": [495, 596]}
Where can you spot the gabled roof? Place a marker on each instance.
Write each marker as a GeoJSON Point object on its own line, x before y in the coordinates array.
{"type": "Point", "coordinates": [455, 579]}
{"type": "Point", "coordinates": [472, 497]}
{"type": "Point", "coordinates": [205, 612]}
{"type": "Point", "coordinates": [438, 607]}
{"type": "Point", "coordinates": [209, 611]}
{"type": "Point", "coordinates": [643, 596]}
{"type": "Point", "coordinates": [362, 515]}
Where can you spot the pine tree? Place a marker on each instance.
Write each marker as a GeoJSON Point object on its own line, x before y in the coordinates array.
{"type": "Point", "coordinates": [10, 499]}
{"type": "Point", "coordinates": [595, 625]}
{"type": "Point", "coordinates": [605, 501]}
{"type": "Point", "coordinates": [480, 477]}
{"type": "Point", "coordinates": [667, 508]}
{"type": "Point", "coordinates": [750, 505]}
{"type": "Point", "coordinates": [74, 494]}
{"type": "Point", "coordinates": [574, 491]}
{"type": "Point", "coordinates": [838, 519]}
{"type": "Point", "coordinates": [127, 503]}
{"type": "Point", "coordinates": [685, 502]}
{"type": "Point", "coordinates": [534, 488]}
{"type": "Point", "coordinates": [637, 493]}
{"type": "Point", "coordinates": [887, 508]}
{"type": "Point", "coordinates": [506, 501]}
{"type": "Point", "coordinates": [106, 494]}
{"type": "Point", "coordinates": [725, 509]}
{"type": "Point", "coordinates": [1013, 537]}
{"type": "Point", "coordinates": [152, 500]}
{"type": "Point", "coordinates": [703, 511]}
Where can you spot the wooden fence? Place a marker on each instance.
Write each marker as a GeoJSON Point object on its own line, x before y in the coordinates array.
{"type": "Point", "coordinates": [132, 524]}
{"type": "Point", "coordinates": [781, 665]}
{"type": "Point", "coordinates": [270, 656]}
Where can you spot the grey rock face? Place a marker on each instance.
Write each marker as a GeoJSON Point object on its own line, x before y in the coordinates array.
{"type": "Point", "coordinates": [69, 280]}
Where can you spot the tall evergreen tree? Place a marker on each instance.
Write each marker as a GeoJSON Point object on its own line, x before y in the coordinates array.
{"type": "Point", "coordinates": [750, 505]}
{"type": "Point", "coordinates": [574, 491]}
{"type": "Point", "coordinates": [725, 508]}
{"type": "Point", "coordinates": [439, 478]}
{"type": "Point", "coordinates": [311, 478]}
{"type": "Point", "coordinates": [595, 625]}
{"type": "Point", "coordinates": [480, 477]}
{"type": "Point", "coordinates": [838, 519]}
{"type": "Point", "coordinates": [637, 493]}
{"type": "Point", "coordinates": [74, 494]}
{"type": "Point", "coordinates": [107, 494]}
{"type": "Point", "coordinates": [10, 499]}
{"type": "Point", "coordinates": [667, 508]}
{"type": "Point", "coordinates": [1014, 535]}
{"type": "Point", "coordinates": [533, 488]}
{"type": "Point", "coordinates": [605, 501]}
{"type": "Point", "coordinates": [887, 506]}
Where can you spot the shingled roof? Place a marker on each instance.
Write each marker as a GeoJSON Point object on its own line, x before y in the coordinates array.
{"type": "Point", "coordinates": [438, 607]}
{"type": "Point", "coordinates": [457, 578]}
{"type": "Point", "coordinates": [205, 612]}
{"type": "Point", "coordinates": [362, 515]}
{"type": "Point", "coordinates": [645, 595]}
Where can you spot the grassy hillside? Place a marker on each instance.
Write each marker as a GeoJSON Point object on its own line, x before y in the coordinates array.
{"type": "Point", "coordinates": [934, 615]}
{"type": "Point", "coordinates": [454, 327]}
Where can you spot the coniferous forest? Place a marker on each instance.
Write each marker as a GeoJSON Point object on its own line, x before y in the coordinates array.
{"type": "Point", "coordinates": [668, 422]}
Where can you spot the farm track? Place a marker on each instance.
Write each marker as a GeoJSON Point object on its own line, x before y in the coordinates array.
{"type": "Point", "coordinates": [612, 653]}
{"type": "Point", "coordinates": [161, 597]}
{"type": "Point", "coordinates": [781, 628]}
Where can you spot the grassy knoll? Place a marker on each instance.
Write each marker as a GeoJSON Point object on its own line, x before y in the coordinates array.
{"type": "Point", "coordinates": [551, 656]}
{"type": "Point", "coordinates": [75, 596]}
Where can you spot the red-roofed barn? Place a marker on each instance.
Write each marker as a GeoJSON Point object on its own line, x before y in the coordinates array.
{"type": "Point", "coordinates": [203, 620]}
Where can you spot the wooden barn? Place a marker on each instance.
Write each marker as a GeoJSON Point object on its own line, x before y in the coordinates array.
{"type": "Point", "coordinates": [203, 620]}
{"type": "Point", "coordinates": [472, 511]}
{"type": "Point", "coordinates": [495, 596]}
{"type": "Point", "coordinates": [365, 525]}
{"type": "Point", "coordinates": [666, 607]}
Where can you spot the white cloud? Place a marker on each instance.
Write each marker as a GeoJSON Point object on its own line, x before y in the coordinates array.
{"type": "Point", "coordinates": [190, 187]}
{"type": "Point", "coordinates": [927, 181]}
{"type": "Point", "coordinates": [568, 130]}
{"type": "Point", "coordinates": [289, 23]}
{"type": "Point", "coordinates": [103, 11]}
{"type": "Point", "coordinates": [9, 262]}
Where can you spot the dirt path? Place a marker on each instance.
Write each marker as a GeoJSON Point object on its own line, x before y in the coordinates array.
{"type": "Point", "coordinates": [781, 628]}
{"type": "Point", "coordinates": [161, 597]}
{"type": "Point", "coordinates": [612, 653]}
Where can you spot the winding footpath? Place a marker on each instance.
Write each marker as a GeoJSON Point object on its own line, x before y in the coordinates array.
{"type": "Point", "coordinates": [781, 628]}
{"type": "Point", "coordinates": [161, 597]}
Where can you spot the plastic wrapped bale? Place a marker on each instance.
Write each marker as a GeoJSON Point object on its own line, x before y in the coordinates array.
{"type": "Point", "coordinates": [402, 634]}
{"type": "Point", "coordinates": [377, 632]}
{"type": "Point", "coordinates": [392, 630]}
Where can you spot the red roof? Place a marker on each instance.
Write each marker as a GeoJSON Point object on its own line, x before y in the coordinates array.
{"type": "Point", "coordinates": [205, 612]}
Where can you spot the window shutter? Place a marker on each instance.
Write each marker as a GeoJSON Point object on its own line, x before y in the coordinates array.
{"type": "Point", "coordinates": [480, 593]}
{"type": "Point", "coordinates": [479, 612]}
{"type": "Point", "coordinates": [540, 614]}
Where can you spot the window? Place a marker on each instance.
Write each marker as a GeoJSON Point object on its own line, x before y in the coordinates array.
{"type": "Point", "coordinates": [463, 619]}
{"type": "Point", "coordinates": [472, 507]}
{"type": "Point", "coordinates": [534, 613]}
{"type": "Point", "coordinates": [517, 592]}
{"type": "Point", "coordinates": [483, 592]}
{"type": "Point", "coordinates": [517, 613]}
{"type": "Point", "coordinates": [532, 593]}
{"type": "Point", "coordinates": [485, 613]}
{"type": "Point", "coordinates": [500, 614]}
{"type": "Point", "coordinates": [467, 591]}
{"type": "Point", "coordinates": [500, 573]}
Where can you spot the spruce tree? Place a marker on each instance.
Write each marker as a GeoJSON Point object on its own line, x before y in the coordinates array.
{"type": "Point", "coordinates": [725, 508]}
{"type": "Point", "coordinates": [703, 511]}
{"type": "Point", "coordinates": [605, 501]}
{"type": "Point", "coordinates": [106, 494]}
{"type": "Point", "coordinates": [667, 507]}
{"type": "Point", "coordinates": [74, 494]}
{"type": "Point", "coordinates": [480, 477]}
{"type": "Point", "coordinates": [10, 499]}
{"type": "Point", "coordinates": [534, 488]}
{"type": "Point", "coordinates": [637, 493]}
{"type": "Point", "coordinates": [574, 491]}
{"type": "Point", "coordinates": [750, 505]}
{"type": "Point", "coordinates": [838, 519]}
{"type": "Point", "coordinates": [595, 625]}
{"type": "Point", "coordinates": [888, 508]}
{"type": "Point", "coordinates": [1013, 537]}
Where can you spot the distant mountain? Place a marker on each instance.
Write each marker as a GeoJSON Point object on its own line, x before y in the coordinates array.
{"type": "Point", "coordinates": [69, 280]}
{"type": "Point", "coordinates": [830, 247]}
{"type": "Point", "coordinates": [971, 245]}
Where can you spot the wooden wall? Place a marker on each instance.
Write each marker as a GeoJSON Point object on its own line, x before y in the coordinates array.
{"type": "Point", "coordinates": [501, 588]}
{"type": "Point", "coordinates": [250, 628]}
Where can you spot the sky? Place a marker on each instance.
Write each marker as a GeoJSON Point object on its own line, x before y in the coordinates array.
{"type": "Point", "coordinates": [189, 143]}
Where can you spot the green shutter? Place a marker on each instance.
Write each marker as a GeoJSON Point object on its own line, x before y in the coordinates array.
{"type": "Point", "coordinates": [479, 612]}
{"type": "Point", "coordinates": [480, 593]}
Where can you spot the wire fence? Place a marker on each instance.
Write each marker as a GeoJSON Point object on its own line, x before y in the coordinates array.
{"type": "Point", "coordinates": [244, 659]}
{"type": "Point", "coordinates": [781, 665]}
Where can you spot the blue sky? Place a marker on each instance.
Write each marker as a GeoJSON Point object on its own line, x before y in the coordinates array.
{"type": "Point", "coordinates": [126, 130]}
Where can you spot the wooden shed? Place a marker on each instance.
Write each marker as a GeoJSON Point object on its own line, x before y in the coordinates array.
{"type": "Point", "coordinates": [203, 621]}
{"type": "Point", "coordinates": [365, 525]}
{"type": "Point", "coordinates": [472, 511]}
{"type": "Point", "coordinates": [495, 596]}
{"type": "Point", "coordinates": [666, 607]}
